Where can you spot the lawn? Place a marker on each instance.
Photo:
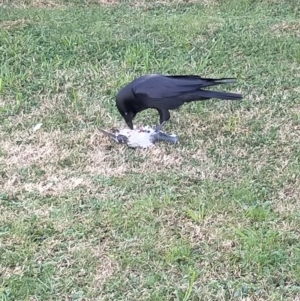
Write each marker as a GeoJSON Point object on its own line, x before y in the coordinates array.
{"type": "Point", "coordinates": [215, 217]}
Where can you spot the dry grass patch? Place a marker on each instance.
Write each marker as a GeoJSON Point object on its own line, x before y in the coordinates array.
{"type": "Point", "coordinates": [287, 199]}
{"type": "Point", "coordinates": [24, 155]}
{"type": "Point", "coordinates": [105, 2]}
{"type": "Point", "coordinates": [6, 272]}
{"type": "Point", "coordinates": [285, 27]}
{"type": "Point", "coordinates": [114, 162]}
{"type": "Point", "coordinates": [148, 4]}
{"type": "Point", "coordinates": [43, 151]}
{"type": "Point", "coordinates": [107, 158]}
{"type": "Point", "coordinates": [57, 185]}
{"type": "Point", "coordinates": [104, 266]}
{"type": "Point", "coordinates": [7, 215]}
{"type": "Point", "coordinates": [89, 153]}
{"type": "Point", "coordinates": [11, 24]}
{"type": "Point", "coordinates": [33, 3]}
{"type": "Point", "coordinates": [203, 232]}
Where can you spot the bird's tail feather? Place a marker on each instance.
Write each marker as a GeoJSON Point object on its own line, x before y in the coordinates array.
{"type": "Point", "coordinates": [220, 95]}
{"type": "Point", "coordinates": [225, 81]}
{"type": "Point", "coordinates": [204, 82]}
{"type": "Point", "coordinates": [207, 94]}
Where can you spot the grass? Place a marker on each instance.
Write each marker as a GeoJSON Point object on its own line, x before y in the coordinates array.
{"type": "Point", "coordinates": [215, 217]}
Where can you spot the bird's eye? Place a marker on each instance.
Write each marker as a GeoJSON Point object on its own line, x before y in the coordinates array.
{"type": "Point", "coordinates": [126, 113]}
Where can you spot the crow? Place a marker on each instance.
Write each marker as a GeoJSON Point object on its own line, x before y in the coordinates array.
{"type": "Point", "coordinates": [167, 92]}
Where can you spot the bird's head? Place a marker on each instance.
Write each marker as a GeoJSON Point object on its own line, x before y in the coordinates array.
{"type": "Point", "coordinates": [127, 113]}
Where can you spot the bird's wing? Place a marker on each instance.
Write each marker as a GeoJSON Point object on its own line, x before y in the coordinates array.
{"type": "Point", "coordinates": [170, 92]}
{"type": "Point", "coordinates": [158, 87]}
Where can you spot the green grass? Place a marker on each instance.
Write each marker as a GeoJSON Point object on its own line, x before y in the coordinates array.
{"type": "Point", "coordinates": [215, 217]}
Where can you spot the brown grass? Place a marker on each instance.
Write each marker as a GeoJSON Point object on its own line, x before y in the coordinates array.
{"type": "Point", "coordinates": [44, 150]}
{"type": "Point", "coordinates": [11, 24]}
{"type": "Point", "coordinates": [105, 2]}
{"type": "Point", "coordinates": [6, 272]}
{"type": "Point", "coordinates": [93, 154]}
{"type": "Point", "coordinates": [284, 28]}
{"type": "Point", "coordinates": [287, 199]}
{"type": "Point", "coordinates": [106, 266]}
{"type": "Point", "coordinates": [202, 232]}
{"type": "Point", "coordinates": [173, 2]}
{"type": "Point", "coordinates": [50, 4]}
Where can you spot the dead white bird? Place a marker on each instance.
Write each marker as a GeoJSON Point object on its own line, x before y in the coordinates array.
{"type": "Point", "coordinates": [143, 137]}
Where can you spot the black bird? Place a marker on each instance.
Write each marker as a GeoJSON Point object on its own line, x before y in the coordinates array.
{"type": "Point", "coordinates": [165, 93]}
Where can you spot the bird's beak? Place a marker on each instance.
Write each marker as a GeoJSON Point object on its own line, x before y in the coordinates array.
{"type": "Point", "coordinates": [129, 123]}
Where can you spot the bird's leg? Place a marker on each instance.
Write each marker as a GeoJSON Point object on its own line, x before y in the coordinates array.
{"type": "Point", "coordinates": [164, 116]}
{"type": "Point", "coordinates": [160, 126]}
